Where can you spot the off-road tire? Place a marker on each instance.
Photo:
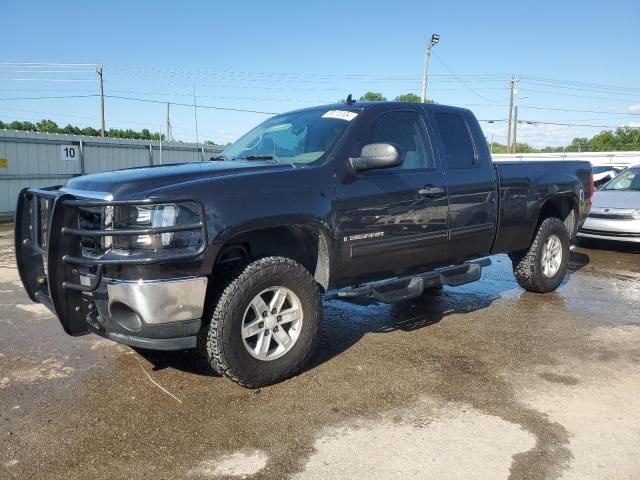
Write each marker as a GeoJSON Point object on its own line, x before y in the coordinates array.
{"type": "Point", "coordinates": [224, 275]}
{"type": "Point", "coordinates": [224, 345]}
{"type": "Point", "coordinates": [527, 264]}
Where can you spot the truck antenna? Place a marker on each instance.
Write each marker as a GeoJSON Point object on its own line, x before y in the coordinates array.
{"type": "Point", "coordinates": [350, 100]}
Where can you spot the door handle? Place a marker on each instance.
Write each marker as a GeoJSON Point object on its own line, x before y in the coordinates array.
{"type": "Point", "coordinates": [431, 191]}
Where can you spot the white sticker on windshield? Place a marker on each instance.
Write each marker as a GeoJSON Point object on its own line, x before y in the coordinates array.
{"type": "Point", "coordinates": [340, 114]}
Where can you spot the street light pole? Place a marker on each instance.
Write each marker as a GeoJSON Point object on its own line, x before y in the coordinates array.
{"type": "Point", "coordinates": [435, 38]}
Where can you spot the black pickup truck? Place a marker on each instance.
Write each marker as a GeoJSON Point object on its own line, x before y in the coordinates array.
{"type": "Point", "coordinates": [230, 256]}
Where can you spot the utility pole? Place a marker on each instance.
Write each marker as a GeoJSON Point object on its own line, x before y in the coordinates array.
{"type": "Point", "coordinates": [99, 72]}
{"type": "Point", "coordinates": [169, 135]}
{"type": "Point", "coordinates": [435, 38]}
{"type": "Point", "coordinates": [513, 81]}
{"type": "Point", "coordinates": [515, 130]}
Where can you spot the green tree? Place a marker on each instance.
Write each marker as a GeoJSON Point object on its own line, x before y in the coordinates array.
{"type": "Point", "coordinates": [525, 148]}
{"type": "Point", "coordinates": [628, 138]}
{"type": "Point", "coordinates": [408, 97]}
{"type": "Point", "coordinates": [372, 97]}
{"type": "Point", "coordinates": [411, 97]}
{"type": "Point", "coordinates": [578, 144]}
{"type": "Point", "coordinates": [16, 125]}
{"type": "Point", "coordinates": [72, 130]}
{"type": "Point", "coordinates": [90, 132]}
{"type": "Point", "coordinates": [497, 147]}
{"type": "Point", "coordinates": [48, 126]}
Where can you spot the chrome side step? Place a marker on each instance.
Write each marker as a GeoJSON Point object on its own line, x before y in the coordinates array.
{"type": "Point", "coordinates": [403, 288]}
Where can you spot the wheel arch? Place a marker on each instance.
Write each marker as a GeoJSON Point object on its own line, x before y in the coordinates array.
{"type": "Point", "coordinates": [563, 207]}
{"type": "Point", "coordinates": [306, 241]}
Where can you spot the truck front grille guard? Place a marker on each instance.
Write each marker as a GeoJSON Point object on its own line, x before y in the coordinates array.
{"type": "Point", "coordinates": [49, 252]}
{"type": "Point", "coordinates": [139, 258]}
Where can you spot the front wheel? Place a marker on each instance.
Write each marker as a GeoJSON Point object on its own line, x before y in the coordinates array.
{"type": "Point", "coordinates": [543, 265]}
{"type": "Point", "coordinates": [265, 323]}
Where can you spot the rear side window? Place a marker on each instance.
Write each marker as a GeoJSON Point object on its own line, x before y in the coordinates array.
{"type": "Point", "coordinates": [405, 129]}
{"type": "Point", "coordinates": [458, 147]}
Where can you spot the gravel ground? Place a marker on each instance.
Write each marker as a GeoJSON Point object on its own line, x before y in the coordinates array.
{"type": "Point", "coordinates": [480, 381]}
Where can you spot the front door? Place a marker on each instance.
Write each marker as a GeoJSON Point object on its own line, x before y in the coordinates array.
{"type": "Point", "coordinates": [393, 221]}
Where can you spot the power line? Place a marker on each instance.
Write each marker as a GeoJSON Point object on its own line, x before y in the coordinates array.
{"type": "Point", "coordinates": [171, 94]}
{"type": "Point", "coordinates": [209, 72]}
{"type": "Point", "coordinates": [460, 80]}
{"type": "Point", "coordinates": [189, 72]}
{"type": "Point", "coordinates": [47, 65]}
{"type": "Point", "coordinates": [55, 97]}
{"type": "Point", "coordinates": [583, 84]}
{"type": "Point", "coordinates": [140, 100]}
{"type": "Point", "coordinates": [73, 80]}
{"type": "Point", "coordinates": [290, 100]}
{"type": "Point", "coordinates": [582, 89]}
{"type": "Point", "coordinates": [563, 94]}
{"type": "Point", "coordinates": [24, 90]}
{"type": "Point", "coordinates": [120, 121]}
{"type": "Point", "coordinates": [50, 97]}
{"type": "Point", "coordinates": [536, 122]}
{"type": "Point", "coordinates": [579, 111]}
{"type": "Point", "coordinates": [190, 105]}
{"type": "Point", "coordinates": [82, 117]}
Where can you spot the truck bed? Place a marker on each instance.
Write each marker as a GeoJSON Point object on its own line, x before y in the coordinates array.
{"type": "Point", "coordinates": [526, 186]}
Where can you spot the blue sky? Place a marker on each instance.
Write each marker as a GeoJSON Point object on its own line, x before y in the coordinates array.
{"type": "Point", "coordinates": [278, 56]}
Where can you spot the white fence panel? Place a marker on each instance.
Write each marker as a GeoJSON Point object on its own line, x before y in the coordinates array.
{"type": "Point", "coordinates": [31, 159]}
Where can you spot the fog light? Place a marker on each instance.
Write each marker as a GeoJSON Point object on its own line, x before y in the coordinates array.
{"type": "Point", "coordinates": [636, 214]}
{"type": "Point", "coordinates": [125, 316]}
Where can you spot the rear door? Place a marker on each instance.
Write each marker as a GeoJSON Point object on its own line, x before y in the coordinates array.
{"type": "Point", "coordinates": [392, 221]}
{"type": "Point", "coordinates": [471, 183]}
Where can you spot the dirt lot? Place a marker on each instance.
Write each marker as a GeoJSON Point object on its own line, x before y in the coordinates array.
{"type": "Point", "coordinates": [482, 381]}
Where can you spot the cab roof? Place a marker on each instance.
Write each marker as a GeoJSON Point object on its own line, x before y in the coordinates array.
{"type": "Point", "coordinates": [356, 105]}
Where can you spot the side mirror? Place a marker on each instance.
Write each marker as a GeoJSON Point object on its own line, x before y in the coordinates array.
{"type": "Point", "coordinates": [377, 155]}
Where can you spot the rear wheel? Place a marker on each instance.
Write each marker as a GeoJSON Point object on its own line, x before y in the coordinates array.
{"type": "Point", "coordinates": [543, 265]}
{"type": "Point", "coordinates": [265, 323]}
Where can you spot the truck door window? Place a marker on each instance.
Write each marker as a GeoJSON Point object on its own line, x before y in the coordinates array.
{"type": "Point", "coordinates": [458, 146]}
{"type": "Point", "coordinates": [405, 129]}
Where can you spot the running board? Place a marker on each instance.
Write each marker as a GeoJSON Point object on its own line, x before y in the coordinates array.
{"type": "Point", "coordinates": [404, 288]}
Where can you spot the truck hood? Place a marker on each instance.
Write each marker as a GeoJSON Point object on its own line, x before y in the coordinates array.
{"type": "Point", "coordinates": [133, 182]}
{"type": "Point", "coordinates": [613, 199]}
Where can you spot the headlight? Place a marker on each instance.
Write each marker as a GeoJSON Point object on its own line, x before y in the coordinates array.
{"type": "Point", "coordinates": [156, 216]}
{"type": "Point", "coordinates": [636, 214]}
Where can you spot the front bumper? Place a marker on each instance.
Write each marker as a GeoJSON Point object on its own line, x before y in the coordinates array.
{"type": "Point", "coordinates": [160, 314]}
{"type": "Point", "coordinates": [611, 226]}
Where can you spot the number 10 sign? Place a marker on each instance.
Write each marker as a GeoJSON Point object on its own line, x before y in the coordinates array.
{"type": "Point", "coordinates": [69, 152]}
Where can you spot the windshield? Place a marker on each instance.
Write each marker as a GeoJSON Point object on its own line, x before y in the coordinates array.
{"type": "Point", "coordinates": [627, 180]}
{"type": "Point", "coordinates": [299, 137]}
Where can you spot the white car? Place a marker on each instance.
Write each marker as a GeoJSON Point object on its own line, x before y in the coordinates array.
{"type": "Point", "coordinates": [615, 212]}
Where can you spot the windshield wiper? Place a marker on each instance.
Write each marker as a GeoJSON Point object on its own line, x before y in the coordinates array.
{"type": "Point", "coordinates": [256, 157]}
